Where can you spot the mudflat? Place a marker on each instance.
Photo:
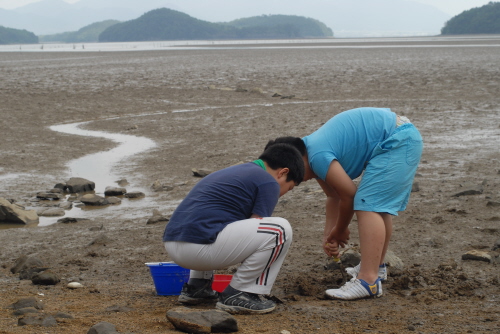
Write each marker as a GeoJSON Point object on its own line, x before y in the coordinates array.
{"type": "Point", "coordinates": [209, 108]}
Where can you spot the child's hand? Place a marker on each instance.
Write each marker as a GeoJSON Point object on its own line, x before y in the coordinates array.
{"type": "Point", "coordinates": [331, 249]}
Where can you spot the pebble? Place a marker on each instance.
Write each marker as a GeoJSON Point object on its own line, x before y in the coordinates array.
{"type": "Point", "coordinates": [75, 285]}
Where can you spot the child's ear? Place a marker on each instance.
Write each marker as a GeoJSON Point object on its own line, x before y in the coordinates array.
{"type": "Point", "coordinates": [284, 172]}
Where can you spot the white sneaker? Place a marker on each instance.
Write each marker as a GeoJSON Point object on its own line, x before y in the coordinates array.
{"type": "Point", "coordinates": [356, 289]}
{"type": "Point", "coordinates": [354, 271]}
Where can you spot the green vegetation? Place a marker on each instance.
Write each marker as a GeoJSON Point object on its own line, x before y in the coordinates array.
{"type": "Point", "coordinates": [167, 24]}
{"type": "Point", "coordinates": [16, 36]}
{"type": "Point", "coordinates": [482, 20]}
{"type": "Point", "coordinates": [287, 24]}
{"type": "Point", "coordinates": [87, 34]}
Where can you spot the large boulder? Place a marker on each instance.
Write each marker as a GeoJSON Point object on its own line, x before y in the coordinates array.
{"type": "Point", "coordinates": [14, 214]}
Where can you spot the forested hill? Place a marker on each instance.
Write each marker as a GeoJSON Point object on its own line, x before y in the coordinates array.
{"type": "Point", "coordinates": [481, 20]}
{"type": "Point", "coordinates": [16, 36]}
{"type": "Point", "coordinates": [87, 34]}
{"type": "Point", "coordinates": [305, 27]}
{"type": "Point", "coordinates": [167, 24]}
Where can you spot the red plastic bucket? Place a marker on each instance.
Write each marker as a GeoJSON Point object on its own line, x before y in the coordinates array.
{"type": "Point", "coordinates": [221, 282]}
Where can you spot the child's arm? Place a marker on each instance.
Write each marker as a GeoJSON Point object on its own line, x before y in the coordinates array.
{"type": "Point", "coordinates": [338, 180]}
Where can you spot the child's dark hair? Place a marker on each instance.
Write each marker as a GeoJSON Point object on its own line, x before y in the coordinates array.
{"type": "Point", "coordinates": [285, 156]}
{"type": "Point", "coordinates": [296, 142]}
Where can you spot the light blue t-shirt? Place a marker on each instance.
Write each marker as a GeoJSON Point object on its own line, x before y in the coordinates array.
{"type": "Point", "coordinates": [349, 138]}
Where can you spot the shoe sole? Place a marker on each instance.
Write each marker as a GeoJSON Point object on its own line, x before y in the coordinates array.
{"type": "Point", "coordinates": [241, 310]}
{"type": "Point", "coordinates": [366, 297]}
{"type": "Point", "coordinates": [195, 301]}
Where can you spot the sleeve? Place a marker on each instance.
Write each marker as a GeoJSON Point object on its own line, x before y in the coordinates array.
{"type": "Point", "coordinates": [320, 163]}
{"type": "Point", "coordinates": [266, 198]}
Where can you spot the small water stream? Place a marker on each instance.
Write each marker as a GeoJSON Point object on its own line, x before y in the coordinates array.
{"type": "Point", "coordinates": [100, 168]}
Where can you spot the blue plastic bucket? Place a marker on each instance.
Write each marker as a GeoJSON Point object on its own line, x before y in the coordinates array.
{"type": "Point", "coordinates": [168, 277]}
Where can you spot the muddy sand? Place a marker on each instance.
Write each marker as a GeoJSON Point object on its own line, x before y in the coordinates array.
{"type": "Point", "coordinates": [211, 108]}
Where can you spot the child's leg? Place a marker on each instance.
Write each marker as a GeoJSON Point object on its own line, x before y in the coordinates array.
{"type": "Point", "coordinates": [260, 245]}
{"type": "Point", "coordinates": [388, 233]}
{"type": "Point", "coordinates": [373, 241]}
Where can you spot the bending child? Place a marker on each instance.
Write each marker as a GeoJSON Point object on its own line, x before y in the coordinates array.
{"type": "Point", "coordinates": [386, 148]}
{"type": "Point", "coordinates": [226, 220]}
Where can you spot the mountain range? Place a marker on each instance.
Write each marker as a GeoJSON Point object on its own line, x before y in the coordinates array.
{"type": "Point", "coordinates": [346, 18]}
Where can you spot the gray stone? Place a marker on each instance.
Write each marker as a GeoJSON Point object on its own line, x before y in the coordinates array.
{"type": "Point", "coordinates": [69, 220]}
{"type": "Point", "coordinates": [62, 315]}
{"type": "Point", "coordinates": [53, 212]}
{"type": "Point", "coordinates": [49, 196]}
{"type": "Point", "coordinates": [25, 310]}
{"type": "Point", "coordinates": [114, 200]}
{"type": "Point", "coordinates": [470, 190]}
{"type": "Point", "coordinates": [156, 218]}
{"type": "Point", "coordinates": [200, 172]}
{"type": "Point", "coordinates": [28, 273]}
{"type": "Point", "coordinates": [24, 262]}
{"type": "Point", "coordinates": [135, 194]}
{"type": "Point", "coordinates": [114, 191]}
{"type": "Point", "coordinates": [79, 185]}
{"type": "Point", "coordinates": [496, 245]}
{"type": "Point", "coordinates": [93, 200]}
{"type": "Point", "coordinates": [103, 327]}
{"type": "Point", "coordinates": [15, 214]}
{"type": "Point", "coordinates": [26, 303]}
{"type": "Point", "coordinates": [46, 277]}
{"type": "Point", "coordinates": [158, 186]}
{"type": "Point", "coordinates": [415, 187]}
{"type": "Point", "coordinates": [492, 204]}
{"type": "Point", "coordinates": [66, 205]}
{"type": "Point", "coordinates": [37, 320]}
{"type": "Point", "coordinates": [202, 321]}
{"type": "Point", "coordinates": [101, 240]}
{"type": "Point", "coordinates": [477, 255]}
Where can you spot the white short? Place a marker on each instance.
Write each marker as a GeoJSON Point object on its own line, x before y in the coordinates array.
{"type": "Point", "coordinates": [259, 244]}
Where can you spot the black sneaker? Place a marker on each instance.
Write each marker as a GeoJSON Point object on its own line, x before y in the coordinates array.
{"type": "Point", "coordinates": [193, 295]}
{"type": "Point", "coordinates": [239, 302]}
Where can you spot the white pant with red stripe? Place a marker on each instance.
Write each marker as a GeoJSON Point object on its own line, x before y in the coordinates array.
{"type": "Point", "coordinates": [259, 244]}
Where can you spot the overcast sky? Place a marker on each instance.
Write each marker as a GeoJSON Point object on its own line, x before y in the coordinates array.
{"type": "Point", "coordinates": [451, 7]}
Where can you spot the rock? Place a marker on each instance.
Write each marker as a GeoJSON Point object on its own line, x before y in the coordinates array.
{"type": "Point", "coordinates": [24, 262]}
{"type": "Point", "coordinates": [28, 273]}
{"type": "Point", "coordinates": [415, 187]}
{"type": "Point", "coordinates": [103, 328]}
{"type": "Point", "coordinates": [93, 200]}
{"type": "Point", "coordinates": [496, 245]}
{"type": "Point", "coordinates": [350, 258]}
{"type": "Point", "coordinates": [157, 218]}
{"type": "Point", "coordinates": [122, 182]}
{"type": "Point", "coordinates": [492, 204]}
{"type": "Point", "coordinates": [114, 191]}
{"type": "Point", "coordinates": [62, 315]}
{"type": "Point", "coordinates": [69, 220]}
{"type": "Point", "coordinates": [117, 308]}
{"type": "Point", "coordinates": [53, 212]}
{"type": "Point", "coordinates": [46, 277]}
{"type": "Point", "coordinates": [49, 196]}
{"type": "Point", "coordinates": [200, 172]}
{"type": "Point", "coordinates": [101, 240]}
{"type": "Point", "coordinates": [158, 186]}
{"type": "Point", "coordinates": [66, 205]}
{"type": "Point", "coordinates": [470, 190]}
{"type": "Point", "coordinates": [202, 321]}
{"type": "Point", "coordinates": [15, 214]}
{"type": "Point", "coordinates": [78, 185]}
{"type": "Point", "coordinates": [477, 256]}
{"type": "Point", "coordinates": [37, 320]}
{"type": "Point", "coordinates": [74, 285]}
{"type": "Point", "coordinates": [114, 200]}
{"type": "Point", "coordinates": [135, 194]}
{"type": "Point", "coordinates": [25, 310]}
{"type": "Point", "coordinates": [395, 264]}
{"type": "Point", "coordinates": [27, 302]}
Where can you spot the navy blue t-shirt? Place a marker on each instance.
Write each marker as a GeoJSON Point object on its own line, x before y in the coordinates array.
{"type": "Point", "coordinates": [220, 198]}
